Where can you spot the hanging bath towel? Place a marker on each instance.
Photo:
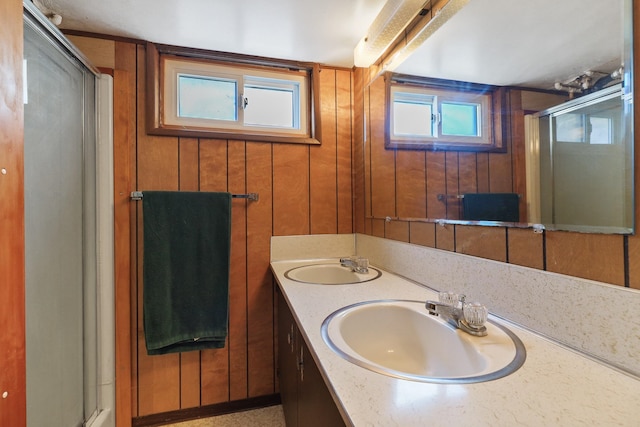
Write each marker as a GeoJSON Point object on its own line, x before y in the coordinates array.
{"type": "Point", "coordinates": [491, 207]}
{"type": "Point", "coordinates": [187, 243]}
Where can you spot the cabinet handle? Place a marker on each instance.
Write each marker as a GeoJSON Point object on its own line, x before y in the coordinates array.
{"type": "Point", "coordinates": [291, 338]}
{"type": "Point", "coordinates": [301, 364]}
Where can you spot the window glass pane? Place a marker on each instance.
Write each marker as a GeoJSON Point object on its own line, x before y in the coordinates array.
{"type": "Point", "coordinates": [207, 98]}
{"type": "Point", "coordinates": [570, 128]}
{"type": "Point", "coordinates": [460, 119]}
{"type": "Point", "coordinates": [271, 106]}
{"type": "Point", "coordinates": [412, 118]}
{"type": "Point", "coordinates": [600, 130]}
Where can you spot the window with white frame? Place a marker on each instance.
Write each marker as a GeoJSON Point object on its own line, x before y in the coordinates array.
{"type": "Point", "coordinates": [439, 117]}
{"type": "Point", "coordinates": [235, 99]}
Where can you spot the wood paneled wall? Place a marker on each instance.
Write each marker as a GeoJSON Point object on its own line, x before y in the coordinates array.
{"type": "Point", "coordinates": [405, 184]}
{"type": "Point", "coordinates": [303, 189]}
{"type": "Point", "coordinates": [12, 280]}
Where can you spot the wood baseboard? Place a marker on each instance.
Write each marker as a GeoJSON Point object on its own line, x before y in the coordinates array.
{"type": "Point", "coordinates": [206, 411]}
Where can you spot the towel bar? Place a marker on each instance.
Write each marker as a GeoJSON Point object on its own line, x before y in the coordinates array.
{"type": "Point", "coordinates": [444, 197]}
{"type": "Point", "coordinates": [254, 197]}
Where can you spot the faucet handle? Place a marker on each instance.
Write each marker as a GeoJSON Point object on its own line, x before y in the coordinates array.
{"type": "Point", "coordinates": [475, 314]}
{"type": "Point", "coordinates": [362, 264]}
{"type": "Point", "coordinates": [449, 298]}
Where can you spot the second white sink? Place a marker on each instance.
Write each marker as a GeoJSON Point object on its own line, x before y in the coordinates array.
{"type": "Point", "coordinates": [330, 274]}
{"type": "Point", "coordinates": [400, 339]}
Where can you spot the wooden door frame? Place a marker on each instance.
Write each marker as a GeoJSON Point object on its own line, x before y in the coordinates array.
{"type": "Point", "coordinates": [12, 275]}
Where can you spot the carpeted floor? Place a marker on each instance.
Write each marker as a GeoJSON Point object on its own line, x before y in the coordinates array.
{"type": "Point", "coordinates": [271, 416]}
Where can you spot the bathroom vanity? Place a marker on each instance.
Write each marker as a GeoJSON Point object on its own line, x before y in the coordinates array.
{"type": "Point", "coordinates": [555, 386]}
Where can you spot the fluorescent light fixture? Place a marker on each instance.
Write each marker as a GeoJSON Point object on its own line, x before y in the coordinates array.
{"type": "Point", "coordinates": [390, 22]}
{"type": "Point", "coordinates": [443, 15]}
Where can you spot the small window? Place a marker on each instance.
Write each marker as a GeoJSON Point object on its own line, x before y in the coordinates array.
{"type": "Point", "coordinates": [441, 116]}
{"type": "Point", "coordinates": [461, 119]}
{"type": "Point", "coordinates": [203, 95]}
{"type": "Point", "coordinates": [595, 121]}
{"type": "Point", "coordinates": [272, 103]}
{"type": "Point", "coordinates": [230, 96]}
{"type": "Point", "coordinates": [207, 98]}
{"type": "Point", "coordinates": [584, 128]}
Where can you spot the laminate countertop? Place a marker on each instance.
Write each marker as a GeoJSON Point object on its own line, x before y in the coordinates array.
{"type": "Point", "coordinates": [556, 386]}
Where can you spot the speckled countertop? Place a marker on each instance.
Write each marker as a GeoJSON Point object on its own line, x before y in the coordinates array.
{"type": "Point", "coordinates": [555, 386]}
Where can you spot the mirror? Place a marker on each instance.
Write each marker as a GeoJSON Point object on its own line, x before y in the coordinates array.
{"type": "Point", "coordinates": [552, 59]}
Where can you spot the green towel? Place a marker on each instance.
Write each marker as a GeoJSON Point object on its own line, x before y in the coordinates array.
{"type": "Point", "coordinates": [187, 242]}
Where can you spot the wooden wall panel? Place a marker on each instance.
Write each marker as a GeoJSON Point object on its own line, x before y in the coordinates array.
{"type": "Point", "coordinates": [483, 242]}
{"type": "Point", "coordinates": [422, 233]}
{"type": "Point", "coordinates": [367, 131]}
{"type": "Point", "coordinates": [526, 247]}
{"type": "Point", "coordinates": [500, 173]}
{"type": "Point", "coordinates": [446, 237]}
{"type": "Point", "coordinates": [411, 184]}
{"type": "Point", "coordinates": [323, 166]}
{"type": "Point", "coordinates": [260, 299]}
{"type": "Point", "coordinates": [238, 322]}
{"type": "Point", "coordinates": [378, 227]}
{"type": "Point", "coordinates": [214, 375]}
{"type": "Point", "coordinates": [518, 152]}
{"type": "Point", "coordinates": [634, 259]}
{"type": "Point", "coordinates": [212, 164]}
{"type": "Point", "coordinates": [436, 184]}
{"type": "Point", "coordinates": [290, 189]}
{"type": "Point", "coordinates": [468, 173]}
{"type": "Point", "coordinates": [125, 221]}
{"type": "Point", "coordinates": [190, 379]}
{"type": "Point", "coordinates": [591, 256]}
{"type": "Point", "coordinates": [500, 164]}
{"type": "Point", "coordinates": [188, 152]}
{"type": "Point", "coordinates": [344, 130]}
{"type": "Point", "coordinates": [482, 172]}
{"type": "Point", "coordinates": [383, 197]}
{"type": "Point", "coordinates": [397, 230]}
{"type": "Point", "coordinates": [452, 177]}
{"type": "Point", "coordinates": [100, 52]}
{"type": "Point", "coordinates": [358, 170]}
{"type": "Point", "coordinates": [12, 277]}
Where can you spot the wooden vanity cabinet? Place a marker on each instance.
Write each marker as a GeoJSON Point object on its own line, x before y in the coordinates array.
{"type": "Point", "coordinates": [306, 400]}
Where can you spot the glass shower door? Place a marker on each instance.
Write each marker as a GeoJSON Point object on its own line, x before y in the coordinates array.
{"type": "Point", "coordinates": [60, 243]}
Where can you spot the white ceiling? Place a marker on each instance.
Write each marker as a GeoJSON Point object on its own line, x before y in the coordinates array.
{"type": "Point", "coordinates": [323, 31]}
{"type": "Point", "coordinates": [502, 42]}
{"type": "Point", "coordinates": [531, 43]}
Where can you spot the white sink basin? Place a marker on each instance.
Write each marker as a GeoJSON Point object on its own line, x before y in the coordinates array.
{"type": "Point", "coordinates": [400, 339]}
{"type": "Point", "coordinates": [330, 274]}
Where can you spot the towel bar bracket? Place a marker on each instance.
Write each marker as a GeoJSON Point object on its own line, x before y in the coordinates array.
{"type": "Point", "coordinates": [254, 197]}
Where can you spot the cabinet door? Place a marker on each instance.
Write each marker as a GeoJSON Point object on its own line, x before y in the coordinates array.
{"type": "Point", "coordinates": [288, 362]}
{"type": "Point", "coordinates": [316, 406]}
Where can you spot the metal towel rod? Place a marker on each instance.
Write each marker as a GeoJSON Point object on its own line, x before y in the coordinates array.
{"type": "Point", "coordinates": [254, 197]}
{"type": "Point", "coordinates": [444, 197]}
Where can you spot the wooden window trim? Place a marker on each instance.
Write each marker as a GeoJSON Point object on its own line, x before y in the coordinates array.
{"type": "Point", "coordinates": [154, 101]}
{"type": "Point", "coordinates": [497, 140]}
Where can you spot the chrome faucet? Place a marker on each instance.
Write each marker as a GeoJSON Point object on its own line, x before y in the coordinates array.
{"type": "Point", "coordinates": [356, 264]}
{"type": "Point", "coordinates": [469, 317]}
